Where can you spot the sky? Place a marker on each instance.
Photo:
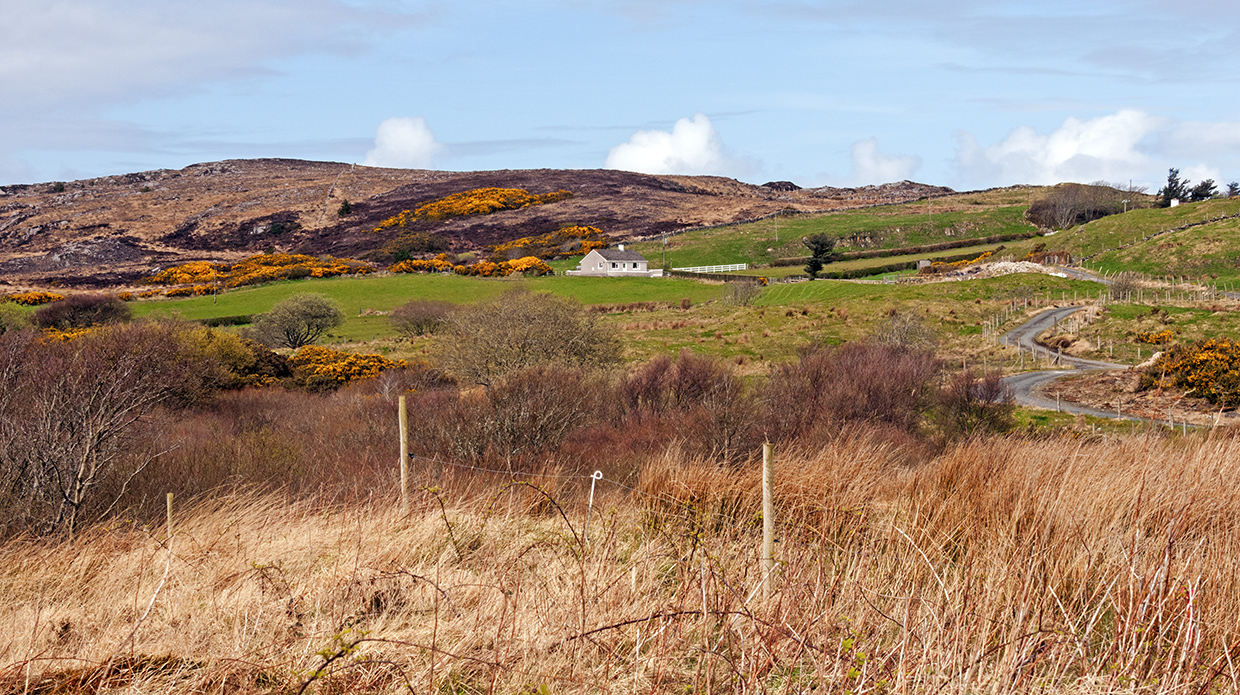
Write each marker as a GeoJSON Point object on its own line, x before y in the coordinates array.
{"type": "Point", "coordinates": [962, 93]}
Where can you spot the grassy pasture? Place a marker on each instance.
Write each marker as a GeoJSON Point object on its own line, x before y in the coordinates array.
{"type": "Point", "coordinates": [891, 226]}
{"type": "Point", "coordinates": [385, 292]}
{"type": "Point", "coordinates": [1131, 227]}
{"type": "Point", "coordinates": [783, 316]}
{"type": "Point", "coordinates": [1210, 251]}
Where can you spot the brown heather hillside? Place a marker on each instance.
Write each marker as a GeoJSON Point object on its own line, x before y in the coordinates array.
{"type": "Point", "coordinates": [115, 230]}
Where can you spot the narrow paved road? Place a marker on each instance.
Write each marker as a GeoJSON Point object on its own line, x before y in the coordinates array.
{"type": "Point", "coordinates": [1025, 337]}
{"type": "Point", "coordinates": [1023, 385]}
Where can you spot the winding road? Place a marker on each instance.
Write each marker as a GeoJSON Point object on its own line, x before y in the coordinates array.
{"type": "Point", "coordinates": [1024, 385]}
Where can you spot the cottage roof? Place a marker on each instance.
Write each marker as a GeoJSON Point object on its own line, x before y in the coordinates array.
{"type": "Point", "coordinates": [620, 255]}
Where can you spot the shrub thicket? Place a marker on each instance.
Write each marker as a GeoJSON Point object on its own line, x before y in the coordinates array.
{"type": "Point", "coordinates": [82, 311]}
{"type": "Point", "coordinates": [420, 317]}
{"type": "Point", "coordinates": [518, 330]}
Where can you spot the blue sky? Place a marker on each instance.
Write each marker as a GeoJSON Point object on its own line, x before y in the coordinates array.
{"type": "Point", "coordinates": [963, 93]}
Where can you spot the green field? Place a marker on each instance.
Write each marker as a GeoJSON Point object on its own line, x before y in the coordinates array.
{"type": "Point", "coordinates": [356, 295]}
{"type": "Point", "coordinates": [1134, 226]}
{"type": "Point", "coordinates": [1208, 253]}
{"type": "Point", "coordinates": [782, 318]}
{"type": "Point", "coordinates": [861, 263]}
{"type": "Point", "coordinates": [964, 216]}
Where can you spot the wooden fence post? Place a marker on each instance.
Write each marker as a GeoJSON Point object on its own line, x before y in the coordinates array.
{"type": "Point", "coordinates": [768, 518]}
{"type": "Point", "coordinates": [404, 457]}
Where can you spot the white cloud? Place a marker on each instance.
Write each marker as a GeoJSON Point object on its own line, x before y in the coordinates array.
{"type": "Point", "coordinates": [873, 167]}
{"type": "Point", "coordinates": [1103, 148]}
{"type": "Point", "coordinates": [693, 147]}
{"type": "Point", "coordinates": [74, 52]}
{"type": "Point", "coordinates": [1200, 172]}
{"type": "Point", "coordinates": [1204, 139]}
{"type": "Point", "coordinates": [403, 143]}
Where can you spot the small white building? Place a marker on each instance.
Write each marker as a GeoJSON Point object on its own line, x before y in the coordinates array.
{"type": "Point", "coordinates": [615, 263]}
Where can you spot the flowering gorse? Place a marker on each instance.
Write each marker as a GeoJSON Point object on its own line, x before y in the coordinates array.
{"type": "Point", "coordinates": [34, 298]}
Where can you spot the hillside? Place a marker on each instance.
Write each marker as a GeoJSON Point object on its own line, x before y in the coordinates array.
{"type": "Point", "coordinates": [114, 230]}
{"type": "Point", "coordinates": [1194, 239]}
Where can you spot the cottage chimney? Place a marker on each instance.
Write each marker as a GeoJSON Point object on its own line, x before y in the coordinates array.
{"type": "Point", "coordinates": [621, 247]}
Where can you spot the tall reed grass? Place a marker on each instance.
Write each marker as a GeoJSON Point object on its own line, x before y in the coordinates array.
{"type": "Point", "coordinates": [999, 565]}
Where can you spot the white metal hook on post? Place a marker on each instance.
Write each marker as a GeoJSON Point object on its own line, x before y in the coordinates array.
{"type": "Point", "coordinates": [598, 475]}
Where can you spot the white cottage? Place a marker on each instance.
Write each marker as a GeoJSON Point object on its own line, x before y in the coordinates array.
{"type": "Point", "coordinates": [615, 263]}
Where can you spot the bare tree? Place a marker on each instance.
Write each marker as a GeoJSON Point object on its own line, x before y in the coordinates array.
{"type": "Point", "coordinates": [520, 329]}
{"type": "Point", "coordinates": [1069, 204]}
{"type": "Point", "coordinates": [1123, 286]}
{"type": "Point", "coordinates": [66, 408]}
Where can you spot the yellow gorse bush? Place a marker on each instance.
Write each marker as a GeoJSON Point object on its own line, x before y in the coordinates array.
{"type": "Point", "coordinates": [434, 265]}
{"type": "Point", "coordinates": [56, 334]}
{"type": "Point", "coordinates": [189, 273]}
{"type": "Point", "coordinates": [484, 201]}
{"type": "Point", "coordinates": [265, 267]}
{"type": "Point", "coordinates": [34, 298]}
{"type": "Point", "coordinates": [1208, 368]}
{"type": "Point", "coordinates": [570, 241]}
{"type": "Point", "coordinates": [477, 201]}
{"type": "Point", "coordinates": [963, 262]}
{"type": "Point", "coordinates": [528, 265]}
{"type": "Point", "coordinates": [1159, 338]}
{"type": "Point", "coordinates": [191, 291]}
{"type": "Point", "coordinates": [320, 363]}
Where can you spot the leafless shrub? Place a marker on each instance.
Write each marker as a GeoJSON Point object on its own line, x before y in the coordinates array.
{"type": "Point", "coordinates": [519, 330]}
{"type": "Point", "coordinates": [420, 317]}
{"type": "Point", "coordinates": [1124, 286]}
{"type": "Point", "coordinates": [525, 413]}
{"type": "Point", "coordinates": [854, 383]}
{"type": "Point", "coordinates": [904, 330]}
{"type": "Point", "coordinates": [67, 408]}
{"type": "Point", "coordinates": [81, 311]}
{"type": "Point", "coordinates": [971, 405]}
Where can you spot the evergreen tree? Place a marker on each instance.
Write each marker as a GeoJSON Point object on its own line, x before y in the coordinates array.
{"type": "Point", "coordinates": [1203, 191]}
{"type": "Point", "coordinates": [1175, 189]}
{"type": "Point", "coordinates": [821, 251]}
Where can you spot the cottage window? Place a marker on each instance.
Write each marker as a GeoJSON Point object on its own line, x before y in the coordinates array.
{"type": "Point", "coordinates": [634, 266]}
{"type": "Point", "coordinates": [613, 265]}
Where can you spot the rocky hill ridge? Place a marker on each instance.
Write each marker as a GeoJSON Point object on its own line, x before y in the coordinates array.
{"type": "Point", "coordinates": [114, 230]}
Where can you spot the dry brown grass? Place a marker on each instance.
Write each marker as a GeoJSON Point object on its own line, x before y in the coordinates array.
{"type": "Point", "coordinates": [1004, 565]}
